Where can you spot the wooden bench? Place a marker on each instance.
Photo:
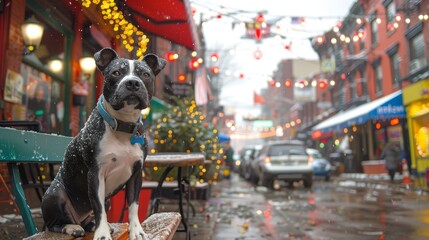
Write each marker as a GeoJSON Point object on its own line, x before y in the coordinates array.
{"type": "Point", "coordinates": [160, 226]}
{"type": "Point", "coordinates": [18, 147]}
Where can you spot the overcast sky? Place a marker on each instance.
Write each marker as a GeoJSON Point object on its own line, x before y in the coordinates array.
{"type": "Point", "coordinates": [237, 54]}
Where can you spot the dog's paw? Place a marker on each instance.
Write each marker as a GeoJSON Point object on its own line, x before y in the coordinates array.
{"type": "Point", "coordinates": [137, 233]}
{"type": "Point", "coordinates": [103, 232]}
{"type": "Point", "coordinates": [73, 230]}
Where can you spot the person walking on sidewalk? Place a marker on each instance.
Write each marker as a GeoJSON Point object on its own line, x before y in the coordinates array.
{"type": "Point", "coordinates": [392, 157]}
{"type": "Point", "coordinates": [229, 158]}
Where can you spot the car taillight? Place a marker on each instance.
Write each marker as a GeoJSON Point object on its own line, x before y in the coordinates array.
{"type": "Point", "coordinates": [267, 160]}
{"type": "Point", "coordinates": [310, 159]}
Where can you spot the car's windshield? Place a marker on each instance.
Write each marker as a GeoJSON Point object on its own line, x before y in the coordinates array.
{"type": "Point", "coordinates": [314, 153]}
{"type": "Point", "coordinates": [281, 150]}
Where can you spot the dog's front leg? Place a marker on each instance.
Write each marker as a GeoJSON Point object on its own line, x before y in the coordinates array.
{"type": "Point", "coordinates": [133, 191]}
{"type": "Point", "coordinates": [97, 197]}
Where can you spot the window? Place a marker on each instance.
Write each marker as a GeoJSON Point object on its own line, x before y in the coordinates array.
{"type": "Point", "coordinates": [395, 68]}
{"type": "Point", "coordinates": [378, 76]}
{"type": "Point", "coordinates": [416, 52]}
{"type": "Point", "coordinates": [374, 32]}
{"type": "Point", "coordinates": [390, 12]}
{"type": "Point", "coordinates": [352, 85]}
{"type": "Point", "coordinates": [351, 48]}
{"type": "Point", "coordinates": [363, 82]}
{"type": "Point", "coordinates": [362, 40]}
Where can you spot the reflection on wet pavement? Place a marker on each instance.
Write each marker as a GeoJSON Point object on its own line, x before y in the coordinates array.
{"type": "Point", "coordinates": [340, 209]}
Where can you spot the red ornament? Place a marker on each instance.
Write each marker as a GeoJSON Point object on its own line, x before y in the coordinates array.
{"type": "Point", "coordinates": [181, 78]}
{"type": "Point", "coordinates": [194, 64]}
{"type": "Point", "coordinates": [215, 70]}
{"type": "Point", "coordinates": [257, 54]}
{"type": "Point", "coordinates": [260, 18]}
{"type": "Point", "coordinates": [258, 32]}
{"type": "Point", "coordinates": [241, 75]}
{"type": "Point", "coordinates": [288, 83]}
{"type": "Point", "coordinates": [214, 57]}
{"type": "Point", "coordinates": [320, 40]}
{"type": "Point", "coordinates": [170, 56]}
{"type": "Point", "coordinates": [323, 83]}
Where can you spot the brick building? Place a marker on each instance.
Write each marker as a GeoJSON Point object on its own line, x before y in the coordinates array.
{"type": "Point", "coordinates": [376, 53]}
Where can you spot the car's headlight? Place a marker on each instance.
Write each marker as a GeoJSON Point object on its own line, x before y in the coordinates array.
{"type": "Point", "coordinates": [267, 160]}
{"type": "Point", "coordinates": [310, 160]}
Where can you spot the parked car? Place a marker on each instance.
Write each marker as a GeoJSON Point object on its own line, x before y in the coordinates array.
{"type": "Point", "coordinates": [285, 161]}
{"type": "Point", "coordinates": [245, 165]}
{"type": "Point", "coordinates": [321, 166]}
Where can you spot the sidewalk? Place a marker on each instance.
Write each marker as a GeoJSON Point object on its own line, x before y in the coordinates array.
{"type": "Point", "coordinates": [231, 212]}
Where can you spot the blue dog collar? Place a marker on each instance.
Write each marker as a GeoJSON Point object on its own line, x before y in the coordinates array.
{"type": "Point", "coordinates": [118, 125]}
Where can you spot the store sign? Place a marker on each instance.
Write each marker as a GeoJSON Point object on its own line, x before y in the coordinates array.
{"type": "Point", "coordinates": [182, 89]}
{"type": "Point", "coordinates": [305, 94]}
{"type": "Point", "coordinates": [390, 110]}
{"type": "Point", "coordinates": [393, 108]}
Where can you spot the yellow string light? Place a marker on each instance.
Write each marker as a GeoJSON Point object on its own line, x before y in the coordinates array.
{"type": "Point", "coordinates": [126, 30]}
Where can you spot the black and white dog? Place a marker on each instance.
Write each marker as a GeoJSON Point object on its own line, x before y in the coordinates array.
{"type": "Point", "coordinates": [107, 154]}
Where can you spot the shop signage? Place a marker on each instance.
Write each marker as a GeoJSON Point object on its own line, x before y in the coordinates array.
{"type": "Point", "coordinates": [390, 110]}
{"type": "Point", "coordinates": [324, 105]}
{"type": "Point", "coordinates": [182, 89]}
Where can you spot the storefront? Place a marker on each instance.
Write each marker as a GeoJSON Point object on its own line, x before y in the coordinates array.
{"type": "Point", "coordinates": [46, 81]}
{"type": "Point", "coordinates": [416, 100]}
{"type": "Point", "coordinates": [367, 129]}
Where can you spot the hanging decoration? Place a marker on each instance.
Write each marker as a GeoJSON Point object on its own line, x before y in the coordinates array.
{"type": "Point", "coordinates": [131, 37]}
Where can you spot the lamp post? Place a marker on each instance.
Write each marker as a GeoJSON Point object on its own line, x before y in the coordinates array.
{"type": "Point", "coordinates": [32, 32]}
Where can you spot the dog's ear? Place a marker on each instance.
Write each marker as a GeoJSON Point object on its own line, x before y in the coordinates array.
{"type": "Point", "coordinates": [104, 57]}
{"type": "Point", "coordinates": [155, 63]}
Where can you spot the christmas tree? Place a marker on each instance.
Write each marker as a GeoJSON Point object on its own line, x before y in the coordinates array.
{"type": "Point", "coordinates": [182, 129]}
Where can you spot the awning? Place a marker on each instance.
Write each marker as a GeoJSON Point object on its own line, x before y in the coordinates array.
{"type": "Point", "coordinates": [169, 19]}
{"type": "Point", "coordinates": [157, 107]}
{"type": "Point", "coordinates": [387, 107]}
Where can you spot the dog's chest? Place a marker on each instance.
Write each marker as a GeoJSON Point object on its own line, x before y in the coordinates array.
{"type": "Point", "coordinates": [117, 158]}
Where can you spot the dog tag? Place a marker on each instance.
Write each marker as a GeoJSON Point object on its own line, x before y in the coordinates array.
{"type": "Point", "coordinates": [137, 139]}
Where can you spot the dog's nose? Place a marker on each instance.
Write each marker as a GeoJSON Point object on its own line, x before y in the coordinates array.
{"type": "Point", "coordinates": [132, 85]}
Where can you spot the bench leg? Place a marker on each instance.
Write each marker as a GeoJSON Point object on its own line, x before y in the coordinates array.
{"type": "Point", "coordinates": [157, 194]}
{"type": "Point", "coordinates": [18, 192]}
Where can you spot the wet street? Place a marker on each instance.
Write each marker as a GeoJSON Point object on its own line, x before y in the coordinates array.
{"type": "Point", "coordinates": [340, 209]}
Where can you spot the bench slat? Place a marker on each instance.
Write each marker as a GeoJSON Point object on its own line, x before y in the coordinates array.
{"type": "Point", "coordinates": [160, 226]}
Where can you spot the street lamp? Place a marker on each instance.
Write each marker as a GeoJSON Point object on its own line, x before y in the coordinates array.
{"type": "Point", "coordinates": [87, 65]}
{"type": "Point", "coordinates": [32, 32]}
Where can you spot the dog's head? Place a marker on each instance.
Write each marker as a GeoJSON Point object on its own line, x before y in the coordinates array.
{"type": "Point", "coordinates": [128, 82]}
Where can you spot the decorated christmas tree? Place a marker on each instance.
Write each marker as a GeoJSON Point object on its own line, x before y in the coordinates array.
{"type": "Point", "coordinates": [182, 129]}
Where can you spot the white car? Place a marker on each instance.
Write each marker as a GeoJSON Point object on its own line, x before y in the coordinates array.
{"type": "Point", "coordinates": [285, 161]}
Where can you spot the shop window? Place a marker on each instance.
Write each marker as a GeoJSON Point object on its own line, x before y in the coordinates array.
{"type": "Point", "coordinates": [43, 77]}
{"type": "Point", "coordinates": [421, 136]}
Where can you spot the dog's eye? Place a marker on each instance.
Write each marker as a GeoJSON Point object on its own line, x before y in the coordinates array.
{"type": "Point", "coordinates": [116, 73]}
{"type": "Point", "coordinates": [146, 74]}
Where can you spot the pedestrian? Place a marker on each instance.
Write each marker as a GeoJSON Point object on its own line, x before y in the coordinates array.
{"type": "Point", "coordinates": [392, 156]}
{"type": "Point", "coordinates": [229, 157]}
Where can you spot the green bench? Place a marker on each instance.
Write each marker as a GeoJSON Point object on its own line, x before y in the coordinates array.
{"type": "Point", "coordinates": [18, 147]}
